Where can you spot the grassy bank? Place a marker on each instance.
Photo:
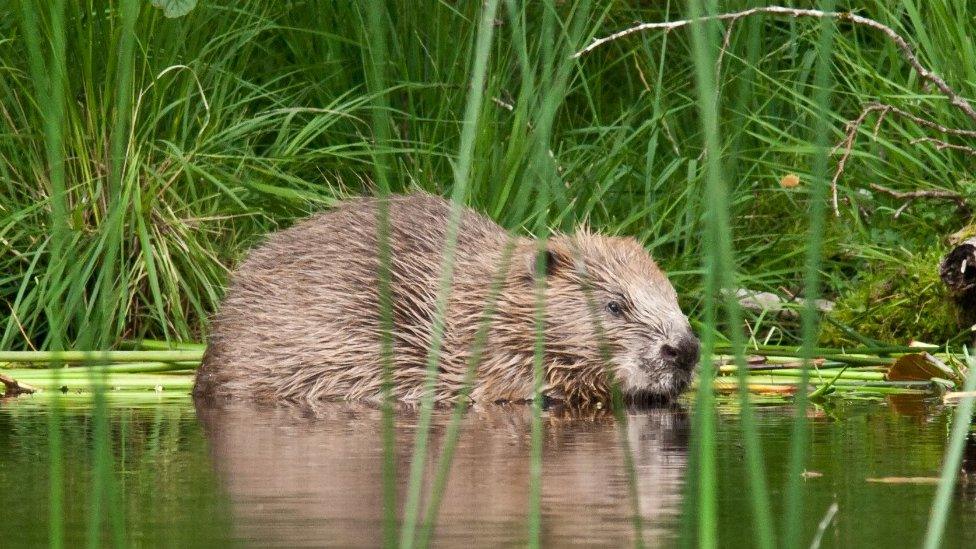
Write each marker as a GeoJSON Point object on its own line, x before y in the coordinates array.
{"type": "Point", "coordinates": [235, 120]}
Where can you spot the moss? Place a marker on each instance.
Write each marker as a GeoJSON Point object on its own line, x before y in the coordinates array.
{"type": "Point", "coordinates": [895, 301]}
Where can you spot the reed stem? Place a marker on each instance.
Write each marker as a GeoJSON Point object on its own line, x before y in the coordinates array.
{"type": "Point", "coordinates": [39, 357]}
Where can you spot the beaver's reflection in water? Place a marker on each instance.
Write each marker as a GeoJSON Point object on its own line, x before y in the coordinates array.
{"type": "Point", "coordinates": [312, 476]}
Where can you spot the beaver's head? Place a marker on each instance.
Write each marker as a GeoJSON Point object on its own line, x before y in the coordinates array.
{"type": "Point", "coordinates": [607, 301]}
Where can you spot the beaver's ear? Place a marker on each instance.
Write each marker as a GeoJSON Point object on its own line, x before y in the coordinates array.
{"type": "Point", "coordinates": [556, 257]}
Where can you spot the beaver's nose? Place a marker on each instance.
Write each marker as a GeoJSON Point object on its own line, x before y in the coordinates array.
{"type": "Point", "coordinates": [683, 352]}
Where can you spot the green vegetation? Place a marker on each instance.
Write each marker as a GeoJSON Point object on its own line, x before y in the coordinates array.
{"type": "Point", "coordinates": [143, 150]}
{"type": "Point", "coordinates": [240, 119]}
{"type": "Point", "coordinates": [895, 300]}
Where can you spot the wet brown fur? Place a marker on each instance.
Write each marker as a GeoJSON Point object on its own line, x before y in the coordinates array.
{"type": "Point", "coordinates": [301, 319]}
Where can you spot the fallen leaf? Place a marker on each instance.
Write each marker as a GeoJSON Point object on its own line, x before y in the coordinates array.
{"type": "Point", "coordinates": [904, 480]}
{"type": "Point", "coordinates": [918, 367]}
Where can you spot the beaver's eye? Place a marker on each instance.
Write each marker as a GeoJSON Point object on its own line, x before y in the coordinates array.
{"type": "Point", "coordinates": [614, 308]}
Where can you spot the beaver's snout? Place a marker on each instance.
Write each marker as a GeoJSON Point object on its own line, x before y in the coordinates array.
{"type": "Point", "coordinates": [682, 353]}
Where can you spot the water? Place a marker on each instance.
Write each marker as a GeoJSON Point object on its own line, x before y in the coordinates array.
{"type": "Point", "coordinates": [265, 476]}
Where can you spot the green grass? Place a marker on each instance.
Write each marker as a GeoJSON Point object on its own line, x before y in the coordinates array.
{"type": "Point", "coordinates": [140, 157]}
{"type": "Point", "coordinates": [715, 263]}
{"type": "Point", "coordinates": [465, 159]}
{"type": "Point", "coordinates": [812, 279]}
{"type": "Point", "coordinates": [245, 118]}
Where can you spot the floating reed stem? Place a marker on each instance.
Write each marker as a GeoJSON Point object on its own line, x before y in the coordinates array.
{"type": "Point", "coordinates": [797, 373]}
{"type": "Point", "coordinates": [101, 357]}
{"type": "Point", "coordinates": [157, 345]}
{"type": "Point", "coordinates": [113, 369]}
{"type": "Point", "coordinates": [104, 382]}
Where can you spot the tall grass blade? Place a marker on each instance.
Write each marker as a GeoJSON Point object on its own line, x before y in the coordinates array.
{"type": "Point", "coordinates": [538, 383]}
{"type": "Point", "coordinates": [703, 42]}
{"type": "Point", "coordinates": [543, 182]}
{"type": "Point", "coordinates": [105, 496]}
{"type": "Point", "coordinates": [817, 213]}
{"type": "Point", "coordinates": [453, 431]}
{"type": "Point", "coordinates": [49, 85]}
{"type": "Point", "coordinates": [458, 196]}
{"type": "Point", "coordinates": [618, 408]}
{"type": "Point", "coordinates": [374, 39]}
{"type": "Point", "coordinates": [755, 463]}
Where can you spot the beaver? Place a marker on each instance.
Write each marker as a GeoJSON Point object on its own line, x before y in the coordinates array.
{"type": "Point", "coordinates": [301, 320]}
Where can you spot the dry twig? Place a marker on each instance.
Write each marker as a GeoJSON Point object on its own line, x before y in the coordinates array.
{"type": "Point", "coordinates": [848, 143]}
{"type": "Point", "coordinates": [924, 122]}
{"type": "Point", "coordinates": [906, 50]}
{"type": "Point", "coordinates": [911, 196]}
{"type": "Point", "coordinates": [852, 127]}
{"type": "Point", "coordinates": [721, 52]}
{"type": "Point", "coordinates": [942, 145]}
{"type": "Point", "coordinates": [14, 387]}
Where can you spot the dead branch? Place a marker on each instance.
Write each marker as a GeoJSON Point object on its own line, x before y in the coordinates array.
{"type": "Point", "coordinates": [14, 387]}
{"type": "Point", "coordinates": [850, 133]}
{"type": "Point", "coordinates": [726, 39]}
{"type": "Point", "coordinates": [853, 127]}
{"type": "Point", "coordinates": [942, 145]}
{"type": "Point", "coordinates": [924, 122]}
{"type": "Point", "coordinates": [883, 110]}
{"type": "Point", "coordinates": [906, 50]}
{"type": "Point", "coordinates": [910, 196]}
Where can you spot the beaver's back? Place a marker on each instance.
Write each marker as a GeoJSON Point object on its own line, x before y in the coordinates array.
{"type": "Point", "coordinates": [301, 318]}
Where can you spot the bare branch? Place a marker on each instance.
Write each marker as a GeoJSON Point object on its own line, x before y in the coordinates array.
{"type": "Point", "coordinates": [848, 143]}
{"type": "Point", "coordinates": [883, 110]}
{"type": "Point", "coordinates": [906, 50]}
{"type": "Point", "coordinates": [854, 126]}
{"type": "Point", "coordinates": [924, 122]}
{"type": "Point", "coordinates": [910, 196]}
{"type": "Point", "coordinates": [721, 52]}
{"type": "Point", "coordinates": [930, 193]}
{"type": "Point", "coordinates": [14, 388]}
{"type": "Point", "coordinates": [941, 145]}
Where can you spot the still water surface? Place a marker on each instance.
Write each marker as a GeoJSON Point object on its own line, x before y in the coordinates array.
{"type": "Point", "coordinates": [265, 476]}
